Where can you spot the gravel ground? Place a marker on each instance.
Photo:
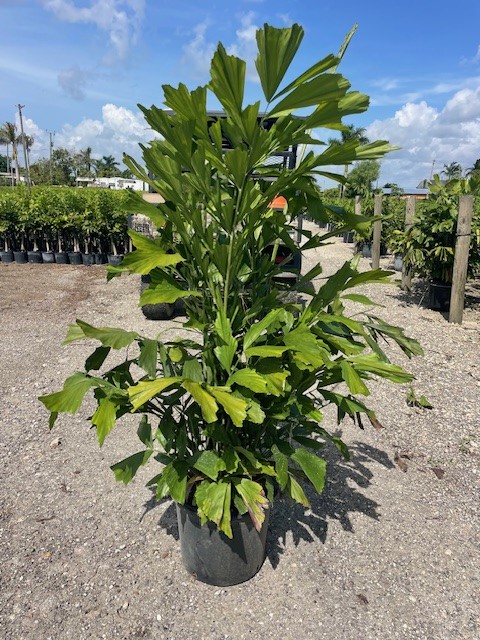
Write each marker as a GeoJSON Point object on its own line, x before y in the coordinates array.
{"type": "Point", "coordinates": [390, 550]}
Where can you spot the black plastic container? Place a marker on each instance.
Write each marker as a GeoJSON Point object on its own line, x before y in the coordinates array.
{"type": "Point", "coordinates": [20, 257]}
{"type": "Point", "coordinates": [75, 257]}
{"type": "Point", "coordinates": [212, 557]}
{"type": "Point", "coordinates": [439, 296]}
{"type": "Point", "coordinates": [61, 257]}
{"type": "Point", "coordinates": [48, 257]}
{"type": "Point", "coordinates": [6, 256]}
{"type": "Point", "coordinates": [35, 257]}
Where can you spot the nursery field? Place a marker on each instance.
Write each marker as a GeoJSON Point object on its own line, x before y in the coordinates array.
{"type": "Point", "coordinates": [389, 550]}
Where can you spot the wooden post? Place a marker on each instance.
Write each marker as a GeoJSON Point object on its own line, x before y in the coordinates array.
{"type": "Point", "coordinates": [377, 231]}
{"type": "Point", "coordinates": [358, 205]}
{"type": "Point", "coordinates": [409, 216]}
{"type": "Point", "coordinates": [460, 265]}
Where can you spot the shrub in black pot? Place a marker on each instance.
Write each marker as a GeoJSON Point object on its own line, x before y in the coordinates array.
{"type": "Point", "coordinates": [233, 414]}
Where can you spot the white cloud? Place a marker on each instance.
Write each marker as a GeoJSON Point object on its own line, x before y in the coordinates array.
{"type": "Point", "coordinates": [199, 51]}
{"type": "Point", "coordinates": [430, 137]}
{"type": "Point", "coordinates": [118, 130]}
{"type": "Point", "coordinates": [121, 19]}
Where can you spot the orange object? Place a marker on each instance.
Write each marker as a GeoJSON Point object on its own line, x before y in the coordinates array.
{"type": "Point", "coordinates": [278, 203]}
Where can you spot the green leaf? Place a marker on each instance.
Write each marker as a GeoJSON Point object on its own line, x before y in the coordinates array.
{"type": "Point", "coordinates": [254, 498]}
{"type": "Point", "coordinates": [235, 407]}
{"type": "Point", "coordinates": [175, 475]}
{"type": "Point", "coordinates": [231, 459]}
{"type": "Point", "coordinates": [266, 351]}
{"type": "Point", "coordinates": [313, 467]}
{"type": "Point", "coordinates": [148, 255]}
{"type": "Point", "coordinates": [145, 390]}
{"type": "Point", "coordinates": [208, 463]}
{"type": "Point", "coordinates": [225, 352]}
{"type": "Point", "coordinates": [97, 358]}
{"type": "Point", "coordinates": [372, 364]}
{"type": "Point", "coordinates": [74, 333]}
{"type": "Point", "coordinates": [206, 401]}
{"type": "Point", "coordinates": [71, 397]}
{"type": "Point", "coordinates": [192, 370]}
{"type": "Point", "coordinates": [148, 356]}
{"type": "Point", "coordinates": [353, 380]}
{"type": "Point", "coordinates": [135, 203]}
{"type": "Point", "coordinates": [330, 87]}
{"type": "Point", "coordinates": [274, 375]}
{"type": "Point", "coordinates": [104, 418]}
{"type": "Point", "coordinates": [126, 469]}
{"type": "Point", "coordinates": [255, 413]}
{"type": "Point", "coordinates": [165, 292]}
{"type": "Point", "coordinates": [256, 330]}
{"type": "Point", "coordinates": [228, 80]}
{"type": "Point", "coordinates": [276, 50]}
{"type": "Point", "coordinates": [250, 379]}
{"type": "Point", "coordinates": [213, 503]}
{"type": "Point", "coordinates": [109, 337]}
{"type": "Point", "coordinates": [281, 466]}
{"type": "Point", "coordinates": [144, 432]}
{"type": "Point", "coordinates": [361, 299]}
{"type": "Point", "coordinates": [296, 492]}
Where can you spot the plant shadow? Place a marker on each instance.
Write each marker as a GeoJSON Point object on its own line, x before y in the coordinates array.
{"type": "Point", "coordinates": [341, 497]}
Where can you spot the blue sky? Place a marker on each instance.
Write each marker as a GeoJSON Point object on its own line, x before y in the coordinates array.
{"type": "Point", "coordinates": [81, 66]}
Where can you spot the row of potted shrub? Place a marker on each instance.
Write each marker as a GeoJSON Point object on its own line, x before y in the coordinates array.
{"type": "Point", "coordinates": [62, 224]}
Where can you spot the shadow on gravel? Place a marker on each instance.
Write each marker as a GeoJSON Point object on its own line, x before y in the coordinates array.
{"type": "Point", "coordinates": [418, 296]}
{"type": "Point", "coordinates": [341, 497]}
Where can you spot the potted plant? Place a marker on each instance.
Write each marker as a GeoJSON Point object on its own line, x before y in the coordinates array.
{"type": "Point", "coordinates": [429, 245]}
{"type": "Point", "coordinates": [234, 414]}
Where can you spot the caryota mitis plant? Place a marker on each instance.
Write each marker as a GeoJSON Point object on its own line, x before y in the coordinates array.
{"type": "Point", "coordinates": [235, 412]}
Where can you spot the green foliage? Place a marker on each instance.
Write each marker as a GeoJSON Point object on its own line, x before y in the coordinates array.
{"type": "Point", "coordinates": [237, 409]}
{"type": "Point", "coordinates": [429, 246]}
{"type": "Point", "coordinates": [58, 214]}
{"type": "Point", "coordinates": [361, 178]}
{"type": "Point", "coordinates": [413, 400]}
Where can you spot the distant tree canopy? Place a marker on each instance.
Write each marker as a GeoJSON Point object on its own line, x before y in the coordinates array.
{"type": "Point", "coordinates": [362, 178]}
{"type": "Point", "coordinates": [66, 166]}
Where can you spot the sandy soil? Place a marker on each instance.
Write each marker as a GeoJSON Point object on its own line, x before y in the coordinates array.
{"type": "Point", "coordinates": [390, 550]}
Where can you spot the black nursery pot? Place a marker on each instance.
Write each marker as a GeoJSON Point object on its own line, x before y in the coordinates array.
{"type": "Point", "coordinates": [114, 261]}
{"type": "Point", "coordinates": [61, 257]}
{"type": "Point", "coordinates": [212, 557]}
{"type": "Point", "coordinates": [35, 257]}
{"type": "Point", "coordinates": [75, 257]}
{"type": "Point", "coordinates": [88, 259]}
{"type": "Point", "coordinates": [367, 250]}
{"type": "Point", "coordinates": [20, 257]}
{"type": "Point", "coordinates": [439, 296]}
{"type": "Point", "coordinates": [6, 256]}
{"type": "Point", "coordinates": [48, 257]}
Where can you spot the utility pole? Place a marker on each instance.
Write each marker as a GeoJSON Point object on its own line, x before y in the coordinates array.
{"type": "Point", "coordinates": [24, 144]}
{"type": "Point", "coordinates": [52, 135]}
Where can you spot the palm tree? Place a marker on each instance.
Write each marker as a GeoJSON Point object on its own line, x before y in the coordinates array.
{"type": "Point", "coordinates": [8, 134]}
{"type": "Point", "coordinates": [350, 133]}
{"type": "Point", "coordinates": [107, 166]}
{"type": "Point", "coordinates": [452, 170]}
{"type": "Point", "coordinates": [84, 161]}
{"type": "Point", "coordinates": [475, 169]}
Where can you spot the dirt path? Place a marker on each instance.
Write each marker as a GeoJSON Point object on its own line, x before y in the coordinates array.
{"type": "Point", "coordinates": [390, 550]}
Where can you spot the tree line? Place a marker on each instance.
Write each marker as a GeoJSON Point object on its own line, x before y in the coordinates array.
{"type": "Point", "coordinates": [62, 167]}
